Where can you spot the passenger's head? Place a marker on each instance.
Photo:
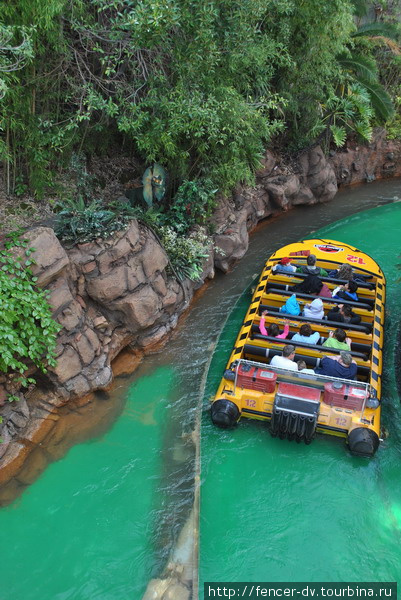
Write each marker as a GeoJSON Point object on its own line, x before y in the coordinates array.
{"type": "Point", "coordinates": [301, 365]}
{"type": "Point", "coordinates": [345, 272]}
{"type": "Point", "coordinates": [340, 335]}
{"type": "Point", "coordinates": [352, 286]}
{"type": "Point", "coordinates": [346, 310]}
{"type": "Point", "coordinates": [273, 330]}
{"type": "Point", "coordinates": [306, 330]}
{"type": "Point", "coordinates": [285, 261]}
{"type": "Point", "coordinates": [346, 358]}
{"type": "Point", "coordinates": [289, 351]}
{"type": "Point", "coordinates": [311, 260]}
{"type": "Point", "coordinates": [312, 285]}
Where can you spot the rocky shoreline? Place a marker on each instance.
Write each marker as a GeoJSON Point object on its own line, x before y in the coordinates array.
{"type": "Point", "coordinates": [114, 294]}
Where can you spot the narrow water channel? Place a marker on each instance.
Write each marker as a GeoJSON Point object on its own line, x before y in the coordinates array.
{"type": "Point", "coordinates": [102, 519]}
{"type": "Point", "coordinates": [285, 512]}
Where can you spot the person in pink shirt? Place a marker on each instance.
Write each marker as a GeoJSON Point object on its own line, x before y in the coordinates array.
{"type": "Point", "coordinates": [273, 330]}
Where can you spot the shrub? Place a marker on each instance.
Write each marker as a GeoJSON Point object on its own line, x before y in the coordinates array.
{"type": "Point", "coordinates": [27, 329]}
{"type": "Point", "coordinates": [193, 204]}
{"type": "Point", "coordinates": [80, 222]}
{"type": "Point", "coordinates": [186, 254]}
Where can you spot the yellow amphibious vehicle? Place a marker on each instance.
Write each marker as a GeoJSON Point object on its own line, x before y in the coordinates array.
{"type": "Point", "coordinates": [299, 403]}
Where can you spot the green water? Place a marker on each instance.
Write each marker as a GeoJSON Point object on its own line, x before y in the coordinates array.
{"type": "Point", "coordinates": [82, 532]}
{"type": "Point", "coordinates": [274, 511]}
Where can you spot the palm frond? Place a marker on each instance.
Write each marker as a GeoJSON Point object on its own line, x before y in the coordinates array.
{"type": "Point", "coordinates": [380, 99]}
{"type": "Point", "coordinates": [387, 30]}
{"type": "Point", "coordinates": [360, 65]}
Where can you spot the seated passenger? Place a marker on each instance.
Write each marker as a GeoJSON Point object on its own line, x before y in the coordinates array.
{"type": "Point", "coordinates": [314, 310]}
{"type": "Point", "coordinates": [343, 314]}
{"type": "Point", "coordinates": [291, 307]}
{"type": "Point", "coordinates": [338, 339]}
{"type": "Point", "coordinates": [347, 272]}
{"type": "Point", "coordinates": [273, 329]}
{"type": "Point", "coordinates": [312, 285]}
{"type": "Point", "coordinates": [286, 361]}
{"type": "Point", "coordinates": [302, 368]}
{"type": "Point", "coordinates": [310, 268]}
{"type": "Point", "coordinates": [306, 335]}
{"type": "Point", "coordinates": [338, 366]}
{"type": "Point", "coordinates": [346, 292]}
{"type": "Point", "coordinates": [284, 266]}
{"type": "Point", "coordinates": [344, 272]}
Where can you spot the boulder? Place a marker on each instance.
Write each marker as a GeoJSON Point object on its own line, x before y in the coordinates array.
{"type": "Point", "coordinates": [85, 349]}
{"type": "Point", "coordinates": [153, 257]}
{"type": "Point", "coordinates": [277, 195]}
{"type": "Point", "coordinates": [268, 163]}
{"type": "Point", "coordinates": [68, 365]}
{"type": "Point", "coordinates": [50, 257]}
{"type": "Point", "coordinates": [140, 308]}
{"type": "Point", "coordinates": [108, 287]}
{"type": "Point", "coordinates": [71, 317]}
{"type": "Point", "coordinates": [77, 386]}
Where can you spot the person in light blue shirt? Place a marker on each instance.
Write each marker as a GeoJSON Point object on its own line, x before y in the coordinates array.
{"type": "Point", "coordinates": [306, 335]}
{"type": "Point", "coordinates": [284, 266]}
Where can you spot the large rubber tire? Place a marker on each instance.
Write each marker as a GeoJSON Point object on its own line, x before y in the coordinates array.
{"type": "Point", "coordinates": [224, 413]}
{"type": "Point", "coordinates": [363, 442]}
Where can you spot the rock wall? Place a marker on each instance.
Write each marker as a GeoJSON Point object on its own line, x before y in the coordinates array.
{"type": "Point", "coordinates": [358, 164]}
{"type": "Point", "coordinates": [115, 293]}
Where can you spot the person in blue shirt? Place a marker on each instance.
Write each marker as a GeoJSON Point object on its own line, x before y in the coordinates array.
{"type": "Point", "coordinates": [346, 292]}
{"type": "Point", "coordinates": [306, 335]}
{"type": "Point", "coordinates": [291, 307]}
{"type": "Point", "coordinates": [284, 266]}
{"type": "Point", "coordinates": [338, 366]}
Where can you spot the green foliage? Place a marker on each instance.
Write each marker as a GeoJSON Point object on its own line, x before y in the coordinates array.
{"type": "Point", "coordinates": [394, 125]}
{"type": "Point", "coordinates": [15, 51]}
{"type": "Point", "coordinates": [363, 68]}
{"type": "Point", "coordinates": [200, 86]}
{"type": "Point", "coordinates": [193, 204]}
{"type": "Point", "coordinates": [79, 221]}
{"type": "Point", "coordinates": [27, 329]}
{"type": "Point", "coordinates": [360, 7]}
{"type": "Point", "coordinates": [316, 33]}
{"type": "Point", "coordinates": [351, 111]}
{"type": "Point", "coordinates": [380, 100]}
{"type": "Point", "coordinates": [361, 65]}
{"type": "Point", "coordinates": [186, 254]}
{"type": "Point", "coordinates": [378, 29]}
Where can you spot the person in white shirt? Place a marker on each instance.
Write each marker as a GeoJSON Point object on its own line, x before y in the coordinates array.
{"type": "Point", "coordinates": [286, 361]}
